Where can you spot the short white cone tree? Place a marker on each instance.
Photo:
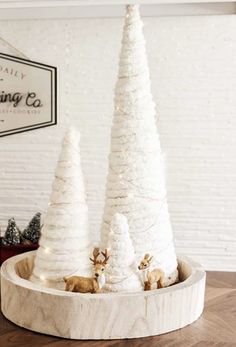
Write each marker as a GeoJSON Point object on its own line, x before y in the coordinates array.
{"type": "Point", "coordinates": [64, 243]}
{"type": "Point", "coordinates": [136, 180]}
{"type": "Point", "coordinates": [121, 275]}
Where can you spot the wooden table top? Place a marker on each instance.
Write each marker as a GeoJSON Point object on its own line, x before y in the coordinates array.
{"type": "Point", "coordinates": [216, 327]}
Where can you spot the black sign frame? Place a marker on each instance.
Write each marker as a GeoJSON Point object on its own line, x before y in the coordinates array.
{"type": "Point", "coordinates": [53, 76]}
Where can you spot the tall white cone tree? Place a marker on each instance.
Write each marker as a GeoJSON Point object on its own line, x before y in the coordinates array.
{"type": "Point", "coordinates": [136, 181]}
{"type": "Point", "coordinates": [121, 275]}
{"type": "Point", "coordinates": [64, 243]}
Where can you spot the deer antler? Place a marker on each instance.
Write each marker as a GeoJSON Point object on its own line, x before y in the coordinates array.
{"type": "Point", "coordinates": [148, 257]}
{"type": "Point", "coordinates": [96, 253]}
{"type": "Point", "coordinates": [106, 256]}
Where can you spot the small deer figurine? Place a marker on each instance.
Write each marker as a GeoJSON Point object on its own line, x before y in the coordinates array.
{"type": "Point", "coordinates": [151, 277]}
{"type": "Point", "coordinates": [89, 284]}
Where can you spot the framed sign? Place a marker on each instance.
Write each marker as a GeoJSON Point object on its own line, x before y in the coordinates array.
{"type": "Point", "coordinates": [28, 95]}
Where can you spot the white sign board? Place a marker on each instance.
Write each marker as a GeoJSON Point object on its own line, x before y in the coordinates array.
{"type": "Point", "coordinates": [28, 95]}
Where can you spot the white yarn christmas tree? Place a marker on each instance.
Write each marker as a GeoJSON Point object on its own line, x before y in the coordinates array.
{"type": "Point", "coordinates": [64, 243]}
{"type": "Point", "coordinates": [136, 182]}
{"type": "Point", "coordinates": [121, 275]}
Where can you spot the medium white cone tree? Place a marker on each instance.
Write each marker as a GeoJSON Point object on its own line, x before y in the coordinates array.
{"type": "Point", "coordinates": [64, 243]}
{"type": "Point", "coordinates": [122, 273]}
{"type": "Point", "coordinates": [136, 181]}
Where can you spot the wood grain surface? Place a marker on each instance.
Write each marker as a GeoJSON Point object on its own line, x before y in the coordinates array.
{"type": "Point", "coordinates": [102, 316]}
{"type": "Point", "coordinates": [216, 327]}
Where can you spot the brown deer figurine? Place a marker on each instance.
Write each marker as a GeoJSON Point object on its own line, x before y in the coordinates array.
{"type": "Point", "coordinates": [89, 284]}
{"type": "Point", "coordinates": [150, 277]}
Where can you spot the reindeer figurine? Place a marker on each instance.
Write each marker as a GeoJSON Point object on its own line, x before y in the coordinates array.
{"type": "Point", "coordinates": [151, 277]}
{"type": "Point", "coordinates": [89, 284]}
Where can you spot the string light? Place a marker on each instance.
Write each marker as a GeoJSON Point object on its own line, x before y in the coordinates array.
{"type": "Point", "coordinates": [47, 250]}
{"type": "Point", "coordinates": [136, 183]}
{"type": "Point", "coordinates": [66, 202]}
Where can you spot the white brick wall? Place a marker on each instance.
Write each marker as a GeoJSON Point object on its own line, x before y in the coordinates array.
{"type": "Point", "coordinates": [193, 70]}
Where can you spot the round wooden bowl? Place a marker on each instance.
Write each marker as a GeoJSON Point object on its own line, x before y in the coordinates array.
{"type": "Point", "coordinates": [100, 316]}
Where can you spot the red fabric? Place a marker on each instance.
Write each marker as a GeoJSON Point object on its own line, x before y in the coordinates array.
{"type": "Point", "coordinates": [11, 250]}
